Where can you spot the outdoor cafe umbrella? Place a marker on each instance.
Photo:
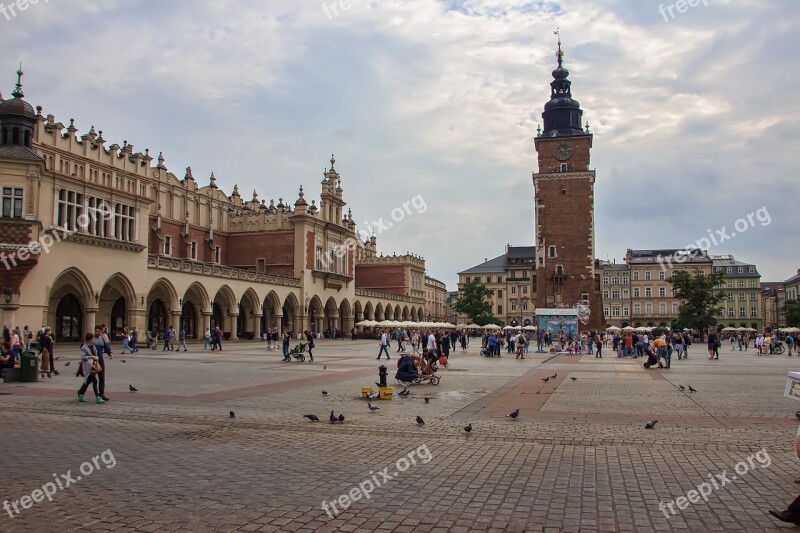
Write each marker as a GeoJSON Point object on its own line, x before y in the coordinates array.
{"type": "Point", "coordinates": [491, 326]}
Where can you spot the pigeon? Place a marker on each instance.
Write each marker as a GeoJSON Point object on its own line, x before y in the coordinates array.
{"type": "Point", "coordinates": [681, 387]}
{"type": "Point", "coordinates": [333, 417]}
{"type": "Point", "coordinates": [134, 389]}
{"type": "Point", "coordinates": [546, 379]}
{"type": "Point", "coordinates": [797, 415]}
{"type": "Point", "coordinates": [554, 376]}
{"type": "Point", "coordinates": [420, 421]}
{"type": "Point", "coordinates": [324, 367]}
{"type": "Point", "coordinates": [427, 400]}
{"type": "Point", "coordinates": [372, 395]}
{"type": "Point", "coordinates": [691, 389]}
{"type": "Point", "coordinates": [57, 358]}
{"type": "Point", "coordinates": [341, 418]}
{"type": "Point", "coordinates": [324, 393]}
{"type": "Point", "coordinates": [67, 363]}
{"type": "Point", "coordinates": [573, 379]}
{"type": "Point", "coordinates": [124, 361]}
{"type": "Point", "coordinates": [468, 428]}
{"type": "Point", "coordinates": [403, 392]}
{"type": "Point", "coordinates": [313, 418]}
{"type": "Point", "coordinates": [231, 414]}
{"type": "Point", "coordinates": [513, 415]}
{"type": "Point", "coordinates": [372, 407]}
{"type": "Point", "coordinates": [651, 424]}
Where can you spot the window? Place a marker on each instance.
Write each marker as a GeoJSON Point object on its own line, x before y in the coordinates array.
{"type": "Point", "coordinates": [662, 309]}
{"type": "Point", "coordinates": [615, 294]}
{"type": "Point", "coordinates": [625, 280]}
{"type": "Point", "coordinates": [513, 290]}
{"type": "Point", "coordinates": [499, 294]}
{"type": "Point", "coordinates": [319, 259]}
{"type": "Point", "coordinates": [729, 284]}
{"type": "Point", "coordinates": [605, 295]}
{"type": "Point", "coordinates": [124, 222]}
{"type": "Point", "coordinates": [217, 254]}
{"type": "Point", "coordinates": [740, 270]}
{"type": "Point", "coordinates": [524, 305]}
{"type": "Point", "coordinates": [616, 311]}
{"type": "Point", "coordinates": [648, 309]}
{"type": "Point", "coordinates": [661, 275]}
{"type": "Point", "coordinates": [635, 275]}
{"type": "Point", "coordinates": [626, 311]}
{"type": "Point", "coordinates": [605, 280]}
{"type": "Point", "coordinates": [753, 296]}
{"type": "Point", "coordinates": [626, 293]}
{"type": "Point", "coordinates": [615, 280]}
{"type": "Point", "coordinates": [12, 202]}
{"type": "Point", "coordinates": [647, 275]}
{"type": "Point", "coordinates": [751, 269]}
{"type": "Point", "coordinates": [468, 279]}
{"type": "Point", "coordinates": [70, 207]}
{"type": "Point", "coordinates": [648, 292]}
{"type": "Point", "coordinates": [730, 312]}
{"type": "Point", "coordinates": [513, 305]}
{"type": "Point", "coordinates": [584, 296]}
{"type": "Point", "coordinates": [499, 279]}
{"type": "Point", "coordinates": [730, 296]}
{"type": "Point", "coordinates": [729, 270]}
{"type": "Point", "coordinates": [636, 309]}
{"type": "Point", "coordinates": [742, 312]}
{"type": "Point", "coordinates": [675, 309]}
{"type": "Point", "coordinates": [478, 279]}
{"type": "Point", "coordinates": [167, 245]}
{"type": "Point", "coordinates": [605, 311]}
{"type": "Point", "coordinates": [740, 284]}
{"type": "Point", "coordinates": [261, 265]}
{"type": "Point", "coordinates": [193, 251]}
{"type": "Point", "coordinates": [563, 169]}
{"type": "Point", "coordinates": [499, 309]}
{"type": "Point", "coordinates": [524, 289]}
{"type": "Point", "coordinates": [636, 292]}
{"type": "Point", "coordinates": [752, 283]}
{"type": "Point", "coordinates": [753, 311]}
{"type": "Point", "coordinates": [551, 251]}
{"type": "Point", "coordinates": [662, 292]}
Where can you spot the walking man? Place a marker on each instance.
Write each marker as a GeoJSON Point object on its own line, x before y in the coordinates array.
{"type": "Point", "coordinates": [384, 345]}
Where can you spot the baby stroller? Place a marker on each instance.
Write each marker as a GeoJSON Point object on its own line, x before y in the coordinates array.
{"type": "Point", "coordinates": [298, 352]}
{"type": "Point", "coordinates": [487, 352]}
{"type": "Point", "coordinates": [652, 360]}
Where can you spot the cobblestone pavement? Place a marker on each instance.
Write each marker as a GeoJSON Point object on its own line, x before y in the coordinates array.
{"type": "Point", "coordinates": [576, 459]}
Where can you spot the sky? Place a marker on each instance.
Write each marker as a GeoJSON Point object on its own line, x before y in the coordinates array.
{"type": "Point", "coordinates": [431, 109]}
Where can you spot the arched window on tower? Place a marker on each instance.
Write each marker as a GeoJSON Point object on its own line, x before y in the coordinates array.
{"type": "Point", "coordinates": [15, 136]}
{"type": "Point", "coordinates": [27, 138]}
{"type": "Point", "coordinates": [3, 136]}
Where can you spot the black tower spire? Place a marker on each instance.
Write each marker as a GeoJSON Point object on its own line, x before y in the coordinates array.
{"type": "Point", "coordinates": [562, 115]}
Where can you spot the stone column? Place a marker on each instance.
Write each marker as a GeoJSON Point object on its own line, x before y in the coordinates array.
{"type": "Point", "coordinates": [232, 326]}
{"type": "Point", "coordinates": [91, 320]}
{"type": "Point", "coordinates": [176, 322]}
{"type": "Point", "coordinates": [257, 329]}
{"type": "Point", "coordinates": [206, 322]}
{"type": "Point", "coordinates": [276, 321]}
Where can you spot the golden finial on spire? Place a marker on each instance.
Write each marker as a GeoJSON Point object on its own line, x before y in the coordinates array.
{"type": "Point", "coordinates": [559, 54]}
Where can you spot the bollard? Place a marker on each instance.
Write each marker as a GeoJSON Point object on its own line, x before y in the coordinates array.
{"type": "Point", "coordinates": [382, 375]}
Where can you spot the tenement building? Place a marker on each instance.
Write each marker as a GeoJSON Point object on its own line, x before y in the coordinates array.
{"type": "Point", "coordinates": [95, 233]}
{"type": "Point", "coordinates": [741, 285]}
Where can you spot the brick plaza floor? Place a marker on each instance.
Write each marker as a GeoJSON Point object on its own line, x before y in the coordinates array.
{"type": "Point", "coordinates": [577, 459]}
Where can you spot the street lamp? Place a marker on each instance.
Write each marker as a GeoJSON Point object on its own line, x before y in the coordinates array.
{"type": "Point", "coordinates": [8, 292]}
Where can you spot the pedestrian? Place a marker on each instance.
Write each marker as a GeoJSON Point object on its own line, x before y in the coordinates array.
{"type": "Point", "coordinates": [789, 343]}
{"type": "Point", "coordinates": [46, 347]}
{"type": "Point", "coordinates": [384, 345]}
{"type": "Point", "coordinates": [759, 344]}
{"type": "Point", "coordinates": [134, 339]}
{"type": "Point", "coordinates": [220, 334]}
{"type": "Point", "coordinates": [285, 339]}
{"type": "Point", "coordinates": [101, 349]}
{"type": "Point", "coordinates": [90, 369]}
{"type": "Point", "coordinates": [206, 339]}
{"type": "Point", "coordinates": [598, 343]}
{"type": "Point", "coordinates": [713, 341]}
{"type": "Point", "coordinates": [16, 342]}
{"type": "Point", "coordinates": [310, 339]}
{"type": "Point", "coordinates": [399, 337]}
{"type": "Point", "coordinates": [520, 342]}
{"type": "Point", "coordinates": [172, 338]}
{"type": "Point", "coordinates": [182, 340]}
{"type": "Point", "coordinates": [126, 342]}
{"type": "Point", "coordinates": [165, 338]}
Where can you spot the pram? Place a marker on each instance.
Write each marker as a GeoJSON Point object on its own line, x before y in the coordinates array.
{"type": "Point", "coordinates": [487, 352]}
{"type": "Point", "coordinates": [421, 376]}
{"type": "Point", "coordinates": [298, 352]}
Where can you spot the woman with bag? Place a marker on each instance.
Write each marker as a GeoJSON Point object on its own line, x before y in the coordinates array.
{"type": "Point", "coordinates": [90, 368]}
{"type": "Point", "coordinates": [46, 347]}
{"type": "Point", "coordinates": [126, 341]}
{"type": "Point", "coordinates": [310, 339]}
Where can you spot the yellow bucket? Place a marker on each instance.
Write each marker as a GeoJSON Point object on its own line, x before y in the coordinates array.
{"type": "Point", "coordinates": [386, 393]}
{"type": "Point", "coordinates": [366, 391]}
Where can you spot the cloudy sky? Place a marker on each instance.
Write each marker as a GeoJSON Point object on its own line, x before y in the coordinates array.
{"type": "Point", "coordinates": [695, 115]}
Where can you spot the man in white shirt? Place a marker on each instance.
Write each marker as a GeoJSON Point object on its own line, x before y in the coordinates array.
{"type": "Point", "coordinates": [384, 345]}
{"type": "Point", "coordinates": [431, 343]}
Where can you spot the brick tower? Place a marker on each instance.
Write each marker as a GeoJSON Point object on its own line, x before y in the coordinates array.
{"type": "Point", "coordinates": [564, 200]}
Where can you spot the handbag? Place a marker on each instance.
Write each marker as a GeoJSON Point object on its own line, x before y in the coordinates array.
{"type": "Point", "coordinates": [443, 360]}
{"type": "Point", "coordinates": [96, 368]}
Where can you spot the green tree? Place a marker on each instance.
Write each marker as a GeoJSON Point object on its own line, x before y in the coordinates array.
{"type": "Point", "coordinates": [701, 301]}
{"type": "Point", "coordinates": [488, 319]}
{"type": "Point", "coordinates": [793, 313]}
{"type": "Point", "coordinates": [472, 302]}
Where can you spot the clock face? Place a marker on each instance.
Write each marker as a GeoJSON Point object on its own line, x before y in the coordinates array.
{"type": "Point", "coordinates": [563, 151]}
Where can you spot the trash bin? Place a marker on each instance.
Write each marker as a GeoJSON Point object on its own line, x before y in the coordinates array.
{"type": "Point", "coordinates": [28, 366]}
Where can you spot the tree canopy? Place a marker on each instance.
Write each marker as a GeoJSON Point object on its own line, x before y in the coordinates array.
{"type": "Point", "coordinates": [700, 300]}
{"type": "Point", "coordinates": [472, 301]}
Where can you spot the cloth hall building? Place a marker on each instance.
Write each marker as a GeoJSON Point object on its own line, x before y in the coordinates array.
{"type": "Point", "coordinates": [96, 233]}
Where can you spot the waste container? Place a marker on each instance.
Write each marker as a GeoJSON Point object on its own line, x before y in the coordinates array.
{"type": "Point", "coordinates": [28, 366]}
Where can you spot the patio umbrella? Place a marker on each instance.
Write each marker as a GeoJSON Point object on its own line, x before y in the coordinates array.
{"type": "Point", "coordinates": [612, 328]}
{"type": "Point", "coordinates": [473, 326]}
{"type": "Point", "coordinates": [491, 326]}
{"type": "Point", "coordinates": [529, 328]}
{"type": "Point", "coordinates": [741, 329]}
{"type": "Point", "coordinates": [462, 326]}
{"type": "Point", "coordinates": [628, 328]}
{"type": "Point", "coordinates": [729, 329]}
{"type": "Point", "coordinates": [366, 323]}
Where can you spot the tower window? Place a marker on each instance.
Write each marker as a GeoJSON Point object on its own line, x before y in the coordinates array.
{"type": "Point", "coordinates": [551, 251]}
{"type": "Point", "coordinates": [563, 191]}
{"type": "Point", "coordinates": [563, 169]}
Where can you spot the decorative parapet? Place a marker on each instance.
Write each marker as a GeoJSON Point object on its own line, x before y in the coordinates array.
{"type": "Point", "coordinates": [217, 271]}
{"type": "Point", "coordinates": [368, 293]}
{"type": "Point", "coordinates": [407, 259]}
